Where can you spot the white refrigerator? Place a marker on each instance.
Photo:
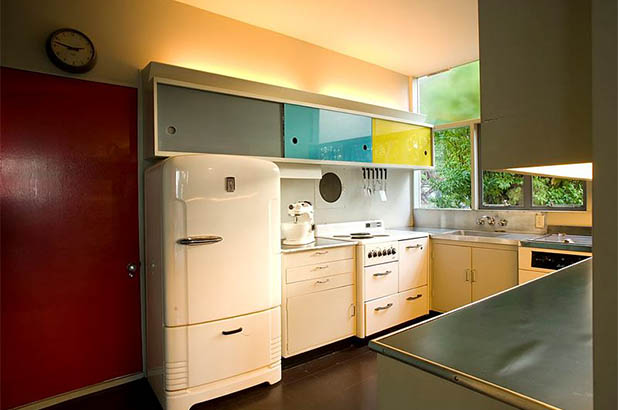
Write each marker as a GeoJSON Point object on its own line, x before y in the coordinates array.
{"type": "Point", "coordinates": [213, 276]}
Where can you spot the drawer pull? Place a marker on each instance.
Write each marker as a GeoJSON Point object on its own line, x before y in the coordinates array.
{"type": "Point", "coordinates": [320, 267]}
{"type": "Point", "coordinates": [417, 246]}
{"type": "Point", "coordinates": [320, 253]}
{"type": "Point", "coordinates": [322, 281]}
{"type": "Point", "coordinates": [388, 272]}
{"type": "Point", "coordinates": [231, 332]}
{"type": "Point", "coordinates": [414, 297]}
{"type": "Point", "coordinates": [383, 307]}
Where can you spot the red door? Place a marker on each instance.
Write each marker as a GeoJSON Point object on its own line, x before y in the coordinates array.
{"type": "Point", "coordinates": [69, 227]}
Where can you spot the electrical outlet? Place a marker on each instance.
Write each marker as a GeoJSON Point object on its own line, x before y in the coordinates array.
{"type": "Point", "coordinates": [539, 221]}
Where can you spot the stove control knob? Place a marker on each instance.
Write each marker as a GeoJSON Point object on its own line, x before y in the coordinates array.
{"type": "Point", "coordinates": [374, 254]}
{"type": "Point", "coordinates": [389, 251]}
{"type": "Point", "coordinates": [369, 255]}
{"type": "Point", "coordinates": [380, 253]}
{"type": "Point", "coordinates": [393, 251]}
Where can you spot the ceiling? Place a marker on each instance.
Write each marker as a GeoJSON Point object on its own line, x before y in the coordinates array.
{"type": "Point", "coordinates": [412, 37]}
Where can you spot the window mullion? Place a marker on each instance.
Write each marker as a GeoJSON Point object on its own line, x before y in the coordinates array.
{"type": "Point", "coordinates": [527, 192]}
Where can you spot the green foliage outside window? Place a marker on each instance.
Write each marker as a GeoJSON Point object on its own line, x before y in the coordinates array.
{"type": "Point", "coordinates": [556, 192]}
{"type": "Point", "coordinates": [449, 184]}
{"type": "Point", "coordinates": [451, 96]}
{"type": "Point", "coordinates": [503, 189]}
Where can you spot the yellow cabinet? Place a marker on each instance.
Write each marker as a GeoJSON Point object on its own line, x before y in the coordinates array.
{"type": "Point", "coordinates": [401, 143]}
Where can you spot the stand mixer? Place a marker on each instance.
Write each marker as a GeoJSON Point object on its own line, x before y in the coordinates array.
{"type": "Point", "coordinates": [302, 230]}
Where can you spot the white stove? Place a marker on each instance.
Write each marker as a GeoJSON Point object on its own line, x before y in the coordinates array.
{"type": "Point", "coordinates": [380, 244]}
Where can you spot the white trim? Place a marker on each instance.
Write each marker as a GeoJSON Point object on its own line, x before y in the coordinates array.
{"type": "Point", "coordinates": [50, 401]}
{"type": "Point", "coordinates": [306, 161]}
{"type": "Point", "coordinates": [475, 181]}
{"type": "Point", "coordinates": [161, 80]}
{"type": "Point", "coordinates": [457, 124]}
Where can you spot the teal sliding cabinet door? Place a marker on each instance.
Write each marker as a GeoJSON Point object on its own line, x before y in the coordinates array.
{"type": "Point", "coordinates": [312, 133]}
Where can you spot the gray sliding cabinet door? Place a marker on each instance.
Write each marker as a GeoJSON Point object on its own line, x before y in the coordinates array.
{"type": "Point", "coordinates": [192, 120]}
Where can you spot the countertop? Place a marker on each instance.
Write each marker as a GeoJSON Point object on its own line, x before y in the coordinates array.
{"type": "Point", "coordinates": [530, 346]}
{"type": "Point", "coordinates": [454, 234]}
{"type": "Point", "coordinates": [320, 243]}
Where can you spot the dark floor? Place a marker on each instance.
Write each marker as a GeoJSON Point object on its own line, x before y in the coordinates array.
{"type": "Point", "coordinates": [342, 380]}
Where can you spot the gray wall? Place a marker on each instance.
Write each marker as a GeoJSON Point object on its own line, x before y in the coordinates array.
{"type": "Point", "coordinates": [353, 205]}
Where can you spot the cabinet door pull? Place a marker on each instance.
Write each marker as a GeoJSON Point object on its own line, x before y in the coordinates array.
{"type": "Point", "coordinates": [388, 272]}
{"type": "Point", "coordinates": [353, 310]}
{"type": "Point", "coordinates": [473, 275]}
{"type": "Point", "coordinates": [467, 275]}
{"type": "Point", "coordinates": [231, 332]}
{"type": "Point", "coordinates": [320, 267]}
{"type": "Point", "coordinates": [417, 246]}
{"type": "Point", "coordinates": [414, 297]}
{"type": "Point", "coordinates": [383, 307]}
{"type": "Point", "coordinates": [322, 281]}
{"type": "Point", "coordinates": [320, 253]}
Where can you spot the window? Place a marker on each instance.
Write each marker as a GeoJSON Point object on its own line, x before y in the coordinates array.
{"type": "Point", "coordinates": [452, 95]}
{"type": "Point", "coordinates": [515, 191]}
{"type": "Point", "coordinates": [449, 184]}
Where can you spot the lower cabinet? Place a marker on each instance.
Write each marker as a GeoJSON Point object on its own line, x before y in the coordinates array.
{"type": "Point", "coordinates": [464, 273]}
{"type": "Point", "coordinates": [320, 318]}
{"type": "Point", "coordinates": [319, 298]}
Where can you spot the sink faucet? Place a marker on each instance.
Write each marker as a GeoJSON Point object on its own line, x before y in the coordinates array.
{"type": "Point", "coordinates": [486, 218]}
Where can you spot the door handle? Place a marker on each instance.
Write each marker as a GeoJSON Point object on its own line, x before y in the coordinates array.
{"type": "Point", "coordinates": [199, 240]}
{"type": "Point", "coordinates": [417, 246]}
{"type": "Point", "coordinates": [473, 275]}
{"type": "Point", "coordinates": [231, 332]}
{"type": "Point", "coordinates": [467, 275]}
{"type": "Point", "coordinates": [132, 268]}
{"type": "Point", "coordinates": [388, 272]}
{"type": "Point", "coordinates": [414, 297]}
{"type": "Point", "coordinates": [383, 307]}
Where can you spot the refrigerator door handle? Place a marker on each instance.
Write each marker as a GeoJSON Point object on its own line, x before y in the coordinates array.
{"type": "Point", "coordinates": [199, 240]}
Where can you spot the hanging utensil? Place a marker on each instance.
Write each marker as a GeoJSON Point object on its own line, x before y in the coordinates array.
{"type": "Point", "coordinates": [382, 185]}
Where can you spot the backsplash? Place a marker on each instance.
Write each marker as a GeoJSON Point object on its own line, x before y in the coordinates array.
{"type": "Point", "coordinates": [518, 221]}
{"type": "Point", "coordinates": [354, 204]}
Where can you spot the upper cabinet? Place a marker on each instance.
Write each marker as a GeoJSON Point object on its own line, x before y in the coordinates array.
{"type": "Point", "coordinates": [188, 111]}
{"type": "Point", "coordinates": [190, 120]}
{"type": "Point", "coordinates": [312, 133]}
{"type": "Point", "coordinates": [401, 143]}
{"type": "Point", "coordinates": [535, 75]}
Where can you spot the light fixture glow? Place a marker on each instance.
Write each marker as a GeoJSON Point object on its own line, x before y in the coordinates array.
{"type": "Point", "coordinates": [570, 171]}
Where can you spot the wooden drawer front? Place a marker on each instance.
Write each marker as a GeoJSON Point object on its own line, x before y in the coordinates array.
{"type": "Point", "coordinates": [293, 260]}
{"type": "Point", "coordinates": [528, 275]}
{"type": "Point", "coordinates": [319, 270]}
{"type": "Point", "coordinates": [319, 318]}
{"type": "Point", "coordinates": [316, 285]}
{"type": "Point", "coordinates": [381, 314]}
{"type": "Point", "coordinates": [413, 303]}
{"type": "Point", "coordinates": [413, 263]}
{"type": "Point", "coordinates": [381, 280]}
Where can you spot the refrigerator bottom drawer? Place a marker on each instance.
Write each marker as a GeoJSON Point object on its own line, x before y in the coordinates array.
{"type": "Point", "coordinates": [204, 353]}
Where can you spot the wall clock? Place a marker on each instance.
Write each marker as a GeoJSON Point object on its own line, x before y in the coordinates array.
{"type": "Point", "coordinates": [71, 50]}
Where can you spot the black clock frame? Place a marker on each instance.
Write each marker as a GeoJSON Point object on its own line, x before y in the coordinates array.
{"type": "Point", "coordinates": [61, 64]}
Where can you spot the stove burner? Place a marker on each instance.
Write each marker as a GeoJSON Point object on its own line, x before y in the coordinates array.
{"type": "Point", "coordinates": [362, 235]}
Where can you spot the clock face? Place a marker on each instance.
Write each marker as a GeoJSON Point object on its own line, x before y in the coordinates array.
{"type": "Point", "coordinates": [71, 50]}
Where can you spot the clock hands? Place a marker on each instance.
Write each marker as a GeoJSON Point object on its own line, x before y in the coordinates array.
{"type": "Point", "coordinates": [69, 46]}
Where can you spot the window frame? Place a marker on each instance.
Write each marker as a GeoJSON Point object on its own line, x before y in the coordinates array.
{"type": "Point", "coordinates": [472, 134]}
{"type": "Point", "coordinates": [527, 188]}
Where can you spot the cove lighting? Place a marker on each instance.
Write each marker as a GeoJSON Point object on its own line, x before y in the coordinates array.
{"type": "Point", "coordinates": [570, 171]}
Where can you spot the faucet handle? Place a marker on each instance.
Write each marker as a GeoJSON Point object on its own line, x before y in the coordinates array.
{"type": "Point", "coordinates": [503, 222]}
{"type": "Point", "coordinates": [480, 221]}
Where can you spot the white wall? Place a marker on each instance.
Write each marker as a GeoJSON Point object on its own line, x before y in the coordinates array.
{"type": "Point", "coordinates": [353, 205]}
{"type": "Point", "coordinates": [130, 33]}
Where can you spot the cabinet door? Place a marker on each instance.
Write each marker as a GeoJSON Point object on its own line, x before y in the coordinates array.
{"type": "Point", "coordinates": [319, 318]}
{"type": "Point", "coordinates": [451, 286]}
{"type": "Point", "coordinates": [401, 143]}
{"type": "Point", "coordinates": [493, 270]}
{"type": "Point", "coordinates": [190, 120]}
{"type": "Point", "coordinates": [413, 256]}
{"type": "Point", "coordinates": [313, 133]}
